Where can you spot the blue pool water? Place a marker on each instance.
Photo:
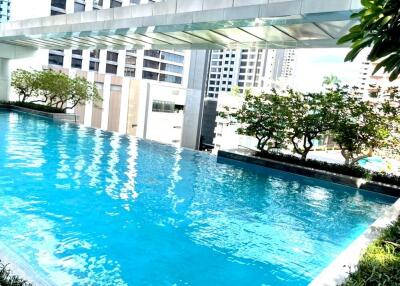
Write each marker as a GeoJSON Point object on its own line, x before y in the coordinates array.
{"type": "Point", "coordinates": [86, 207]}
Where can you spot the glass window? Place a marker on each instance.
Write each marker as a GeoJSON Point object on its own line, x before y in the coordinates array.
{"type": "Point", "coordinates": [163, 106]}
{"type": "Point", "coordinates": [79, 7]}
{"type": "Point", "coordinates": [94, 66]}
{"type": "Point", "coordinates": [76, 63]}
{"type": "Point", "coordinates": [152, 53]}
{"type": "Point", "coordinates": [171, 68]}
{"type": "Point", "coordinates": [58, 3]}
{"type": "Point", "coordinates": [172, 57]}
{"type": "Point", "coordinates": [56, 58]}
{"type": "Point", "coordinates": [151, 64]}
{"type": "Point", "coordinates": [95, 54]}
{"type": "Point", "coordinates": [170, 78]}
{"type": "Point", "coordinates": [130, 60]}
{"type": "Point", "coordinates": [115, 3]}
{"type": "Point", "coordinates": [112, 56]}
{"type": "Point", "coordinates": [110, 68]}
{"type": "Point", "coordinates": [130, 72]}
{"type": "Point", "coordinates": [150, 75]}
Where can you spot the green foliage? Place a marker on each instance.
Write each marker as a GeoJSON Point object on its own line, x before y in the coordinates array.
{"type": "Point", "coordinates": [379, 28]}
{"type": "Point", "coordinates": [8, 279]}
{"type": "Point", "coordinates": [354, 171]}
{"type": "Point", "coordinates": [310, 116]}
{"type": "Point", "coordinates": [53, 89]}
{"type": "Point", "coordinates": [380, 264]}
{"type": "Point", "coordinates": [24, 84]}
{"type": "Point", "coordinates": [263, 117]}
{"type": "Point", "coordinates": [331, 80]}
{"type": "Point", "coordinates": [359, 127]}
{"type": "Point", "coordinates": [39, 107]}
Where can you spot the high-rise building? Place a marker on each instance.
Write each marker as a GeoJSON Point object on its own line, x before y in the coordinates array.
{"type": "Point", "coordinates": [4, 10]}
{"type": "Point", "coordinates": [234, 71]}
{"type": "Point", "coordinates": [368, 82]}
{"type": "Point", "coordinates": [145, 93]}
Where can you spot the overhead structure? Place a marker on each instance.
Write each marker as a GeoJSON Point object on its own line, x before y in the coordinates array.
{"type": "Point", "coordinates": [189, 24]}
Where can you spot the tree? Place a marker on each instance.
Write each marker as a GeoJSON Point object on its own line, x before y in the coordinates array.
{"type": "Point", "coordinates": [53, 88]}
{"type": "Point", "coordinates": [310, 117]}
{"type": "Point", "coordinates": [361, 127]}
{"type": "Point", "coordinates": [379, 28]}
{"type": "Point", "coordinates": [261, 116]}
{"type": "Point", "coordinates": [331, 80]}
{"type": "Point", "coordinates": [24, 84]}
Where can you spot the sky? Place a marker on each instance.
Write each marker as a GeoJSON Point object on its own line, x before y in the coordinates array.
{"type": "Point", "coordinates": [313, 64]}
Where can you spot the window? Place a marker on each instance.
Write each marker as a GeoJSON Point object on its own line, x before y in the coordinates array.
{"type": "Point", "coordinates": [112, 56]}
{"type": "Point", "coordinates": [172, 57]}
{"type": "Point", "coordinates": [94, 66]}
{"type": "Point", "coordinates": [170, 78]}
{"type": "Point", "coordinates": [79, 6]}
{"type": "Point", "coordinates": [151, 64]}
{"type": "Point", "coordinates": [130, 72]}
{"type": "Point", "coordinates": [130, 60]}
{"type": "Point", "coordinates": [95, 54]}
{"type": "Point", "coordinates": [152, 53]}
{"type": "Point", "coordinates": [171, 68]}
{"type": "Point", "coordinates": [163, 106]}
{"type": "Point", "coordinates": [150, 75]}
{"type": "Point", "coordinates": [58, 7]}
{"type": "Point", "coordinates": [76, 63]}
{"type": "Point", "coordinates": [110, 68]}
{"type": "Point", "coordinates": [56, 57]}
{"type": "Point", "coordinates": [97, 4]}
{"type": "Point", "coordinates": [115, 88]}
{"type": "Point", "coordinates": [58, 4]}
{"type": "Point", "coordinates": [115, 3]}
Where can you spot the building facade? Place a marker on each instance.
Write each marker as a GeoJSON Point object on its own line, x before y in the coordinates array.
{"type": "Point", "coordinates": [5, 6]}
{"type": "Point", "coordinates": [125, 79]}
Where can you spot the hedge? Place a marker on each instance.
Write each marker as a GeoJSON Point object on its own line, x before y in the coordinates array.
{"type": "Point", "coordinates": [354, 171]}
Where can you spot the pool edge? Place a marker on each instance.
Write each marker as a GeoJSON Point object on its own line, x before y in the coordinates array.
{"type": "Point", "coordinates": [20, 267]}
{"type": "Point", "coordinates": [344, 264]}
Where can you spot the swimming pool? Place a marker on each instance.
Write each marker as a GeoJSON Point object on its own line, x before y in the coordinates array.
{"type": "Point", "coordinates": [87, 207]}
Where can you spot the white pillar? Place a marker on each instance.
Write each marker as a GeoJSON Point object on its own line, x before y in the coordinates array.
{"type": "Point", "coordinates": [4, 80]}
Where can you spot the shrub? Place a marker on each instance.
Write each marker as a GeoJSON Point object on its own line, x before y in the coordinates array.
{"type": "Point", "coordinates": [380, 264]}
{"type": "Point", "coordinates": [39, 107]}
{"type": "Point", "coordinates": [354, 171]}
{"type": "Point", "coordinates": [8, 279]}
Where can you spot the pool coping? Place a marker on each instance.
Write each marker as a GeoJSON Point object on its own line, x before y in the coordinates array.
{"type": "Point", "coordinates": [20, 267]}
{"type": "Point", "coordinates": [347, 261]}
{"type": "Point", "coordinates": [351, 181]}
{"type": "Point", "coordinates": [65, 117]}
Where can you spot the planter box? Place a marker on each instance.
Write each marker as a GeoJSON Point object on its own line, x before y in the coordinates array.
{"type": "Point", "coordinates": [354, 182]}
{"type": "Point", "coordinates": [55, 116]}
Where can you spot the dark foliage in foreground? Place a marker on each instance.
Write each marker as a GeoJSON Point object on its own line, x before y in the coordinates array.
{"type": "Point", "coordinates": [8, 279]}
{"type": "Point", "coordinates": [380, 264]}
{"type": "Point", "coordinates": [35, 106]}
{"type": "Point", "coordinates": [354, 171]}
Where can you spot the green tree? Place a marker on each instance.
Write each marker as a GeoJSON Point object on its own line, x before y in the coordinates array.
{"type": "Point", "coordinates": [331, 80]}
{"type": "Point", "coordinates": [361, 127]}
{"type": "Point", "coordinates": [53, 88]}
{"type": "Point", "coordinates": [261, 116]}
{"type": "Point", "coordinates": [310, 117]}
{"type": "Point", "coordinates": [25, 84]}
{"type": "Point", "coordinates": [379, 28]}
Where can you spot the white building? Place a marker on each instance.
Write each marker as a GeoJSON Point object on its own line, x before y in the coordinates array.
{"type": "Point", "coordinates": [256, 69]}
{"type": "Point", "coordinates": [226, 136]}
{"type": "Point", "coordinates": [234, 71]}
{"type": "Point", "coordinates": [165, 74]}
